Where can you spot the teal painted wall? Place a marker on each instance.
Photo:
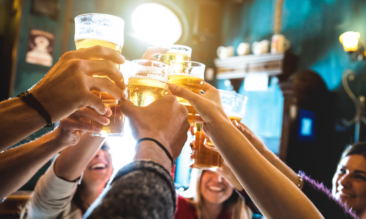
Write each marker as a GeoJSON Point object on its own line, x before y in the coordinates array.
{"type": "Point", "coordinates": [313, 27]}
{"type": "Point", "coordinates": [29, 74]}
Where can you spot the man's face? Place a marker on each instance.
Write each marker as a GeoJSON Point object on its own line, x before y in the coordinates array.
{"type": "Point", "coordinates": [100, 167]}
{"type": "Point", "coordinates": [349, 182]}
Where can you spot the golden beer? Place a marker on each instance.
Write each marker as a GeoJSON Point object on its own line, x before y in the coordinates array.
{"type": "Point", "coordinates": [232, 118]}
{"type": "Point", "coordinates": [107, 31]}
{"type": "Point", "coordinates": [142, 90]}
{"type": "Point", "coordinates": [116, 119]}
{"type": "Point", "coordinates": [189, 82]}
{"type": "Point", "coordinates": [115, 126]}
{"type": "Point", "coordinates": [203, 157]}
{"type": "Point", "coordinates": [86, 43]}
{"type": "Point", "coordinates": [208, 142]}
{"type": "Point", "coordinates": [193, 84]}
{"type": "Point", "coordinates": [168, 57]}
{"type": "Point", "coordinates": [189, 75]}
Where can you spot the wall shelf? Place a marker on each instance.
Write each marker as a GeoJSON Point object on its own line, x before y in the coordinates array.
{"type": "Point", "coordinates": [281, 64]}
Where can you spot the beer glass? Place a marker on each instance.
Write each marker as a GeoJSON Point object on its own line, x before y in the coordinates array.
{"type": "Point", "coordinates": [104, 30]}
{"type": "Point", "coordinates": [189, 75]}
{"type": "Point", "coordinates": [175, 53]}
{"type": "Point", "coordinates": [203, 157]}
{"type": "Point", "coordinates": [234, 107]}
{"type": "Point", "coordinates": [147, 81]}
{"type": "Point", "coordinates": [99, 29]}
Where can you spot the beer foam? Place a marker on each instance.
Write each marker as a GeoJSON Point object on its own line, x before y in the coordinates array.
{"type": "Point", "coordinates": [183, 49]}
{"type": "Point", "coordinates": [99, 27]}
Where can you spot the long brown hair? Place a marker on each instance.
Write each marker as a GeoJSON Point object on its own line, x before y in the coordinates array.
{"type": "Point", "coordinates": [234, 204]}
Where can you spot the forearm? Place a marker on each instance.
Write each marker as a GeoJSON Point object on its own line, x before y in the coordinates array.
{"type": "Point", "coordinates": [142, 189]}
{"type": "Point", "coordinates": [18, 120]}
{"type": "Point", "coordinates": [18, 165]}
{"type": "Point", "coordinates": [281, 166]}
{"type": "Point", "coordinates": [266, 183]}
{"type": "Point", "coordinates": [72, 161]}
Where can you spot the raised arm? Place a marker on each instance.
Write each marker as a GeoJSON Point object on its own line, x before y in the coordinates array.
{"type": "Point", "coordinates": [18, 165]}
{"type": "Point", "coordinates": [144, 188]}
{"type": "Point", "coordinates": [274, 194]}
{"type": "Point", "coordinates": [72, 161]}
{"type": "Point", "coordinates": [265, 152]}
{"type": "Point", "coordinates": [65, 89]}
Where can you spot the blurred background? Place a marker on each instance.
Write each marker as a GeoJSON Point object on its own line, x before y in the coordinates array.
{"type": "Point", "coordinates": [296, 101]}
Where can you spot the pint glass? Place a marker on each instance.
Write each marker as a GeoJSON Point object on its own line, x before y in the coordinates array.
{"type": "Point", "coordinates": [99, 29]}
{"type": "Point", "coordinates": [234, 107]}
{"type": "Point", "coordinates": [147, 81]}
{"type": "Point", "coordinates": [189, 75]}
{"type": "Point", "coordinates": [175, 53]}
{"type": "Point", "coordinates": [203, 157]}
{"type": "Point", "coordinates": [104, 30]}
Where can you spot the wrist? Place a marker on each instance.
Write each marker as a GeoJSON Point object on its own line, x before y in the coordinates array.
{"type": "Point", "coordinates": [148, 150]}
{"type": "Point", "coordinates": [45, 103]}
{"type": "Point", "coordinates": [32, 114]}
{"type": "Point", "coordinates": [157, 136]}
{"type": "Point", "coordinates": [55, 138]}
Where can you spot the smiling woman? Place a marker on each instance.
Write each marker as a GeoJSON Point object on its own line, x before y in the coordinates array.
{"type": "Point", "coordinates": [73, 181]}
{"type": "Point", "coordinates": [213, 197]}
{"type": "Point", "coordinates": [156, 24]}
{"type": "Point", "coordinates": [349, 181]}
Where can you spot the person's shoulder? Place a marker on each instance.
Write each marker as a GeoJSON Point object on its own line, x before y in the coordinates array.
{"type": "Point", "coordinates": [181, 201]}
{"type": "Point", "coordinates": [184, 209]}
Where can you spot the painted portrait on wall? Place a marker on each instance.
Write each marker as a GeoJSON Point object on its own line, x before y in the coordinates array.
{"type": "Point", "coordinates": [40, 47]}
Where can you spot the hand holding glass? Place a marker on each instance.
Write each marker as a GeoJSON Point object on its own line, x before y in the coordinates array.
{"type": "Point", "coordinates": [234, 107]}
{"type": "Point", "coordinates": [103, 30]}
{"type": "Point", "coordinates": [147, 81]}
{"type": "Point", "coordinates": [189, 75]}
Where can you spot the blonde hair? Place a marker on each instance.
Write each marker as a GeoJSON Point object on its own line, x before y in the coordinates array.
{"type": "Point", "coordinates": [235, 204]}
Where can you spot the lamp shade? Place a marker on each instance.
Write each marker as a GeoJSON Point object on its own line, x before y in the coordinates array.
{"type": "Point", "coordinates": [350, 41]}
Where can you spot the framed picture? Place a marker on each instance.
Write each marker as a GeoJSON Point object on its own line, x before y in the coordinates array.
{"type": "Point", "coordinates": [40, 48]}
{"type": "Point", "coordinates": [45, 7]}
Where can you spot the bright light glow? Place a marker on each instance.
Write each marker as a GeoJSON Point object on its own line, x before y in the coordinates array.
{"type": "Point", "coordinates": [156, 24]}
{"type": "Point", "coordinates": [350, 41]}
{"type": "Point", "coordinates": [122, 148]}
{"type": "Point", "coordinates": [256, 82]}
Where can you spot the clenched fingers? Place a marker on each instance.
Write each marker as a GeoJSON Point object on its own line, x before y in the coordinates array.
{"type": "Point", "coordinates": [104, 68]}
{"type": "Point", "coordinates": [106, 85]}
{"type": "Point", "coordinates": [91, 114]}
{"type": "Point", "coordinates": [74, 125]}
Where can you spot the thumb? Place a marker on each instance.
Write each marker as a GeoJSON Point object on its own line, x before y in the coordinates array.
{"type": "Point", "coordinates": [179, 91]}
{"type": "Point", "coordinates": [127, 108]}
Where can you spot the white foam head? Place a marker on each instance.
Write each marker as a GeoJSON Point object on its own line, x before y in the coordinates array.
{"type": "Point", "coordinates": [187, 68]}
{"type": "Point", "coordinates": [180, 49]}
{"type": "Point", "coordinates": [149, 69]}
{"type": "Point", "coordinates": [100, 27]}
